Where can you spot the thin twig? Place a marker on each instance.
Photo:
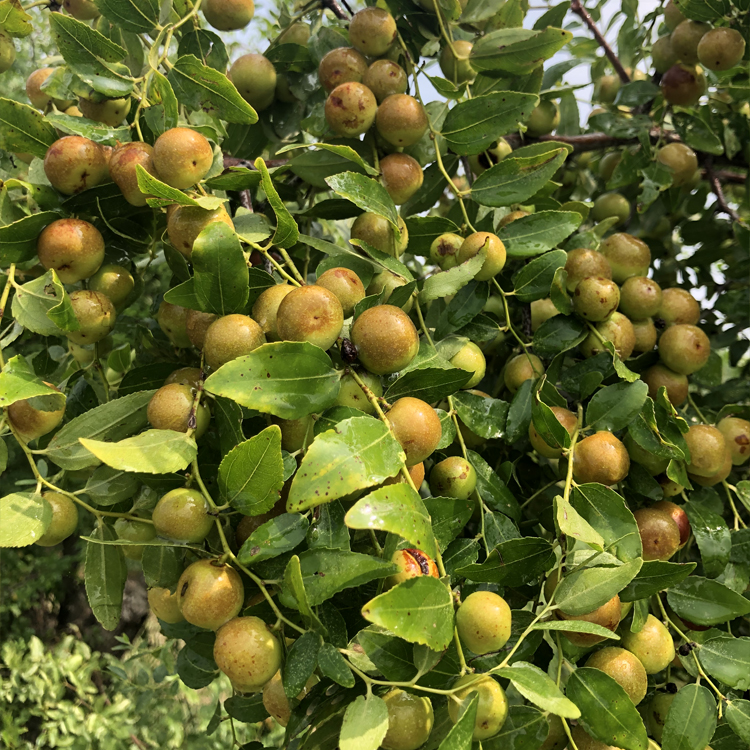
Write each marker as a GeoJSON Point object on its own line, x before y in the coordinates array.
{"type": "Point", "coordinates": [721, 201]}
{"type": "Point", "coordinates": [335, 8]}
{"type": "Point", "coordinates": [579, 10]}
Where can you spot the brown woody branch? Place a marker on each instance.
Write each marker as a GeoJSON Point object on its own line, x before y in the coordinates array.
{"type": "Point", "coordinates": [335, 8]}
{"type": "Point", "coordinates": [577, 8]}
{"type": "Point", "coordinates": [715, 183]}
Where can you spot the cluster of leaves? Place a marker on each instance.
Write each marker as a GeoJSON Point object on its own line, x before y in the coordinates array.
{"type": "Point", "coordinates": [319, 569]}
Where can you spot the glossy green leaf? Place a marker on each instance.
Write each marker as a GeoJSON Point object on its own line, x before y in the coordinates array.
{"type": "Point", "coordinates": [517, 51]}
{"type": "Point", "coordinates": [526, 728]}
{"type": "Point", "coordinates": [462, 732]}
{"type": "Point", "coordinates": [108, 486]}
{"type": "Point", "coordinates": [538, 232]}
{"type": "Point", "coordinates": [138, 16]}
{"type": "Point", "coordinates": [275, 537]}
{"type": "Point", "coordinates": [105, 577]}
{"type": "Point", "coordinates": [24, 129]}
{"type": "Point", "coordinates": [446, 283]}
{"type": "Point", "coordinates": [43, 306]}
{"type": "Point", "coordinates": [365, 724]}
{"type": "Point", "coordinates": [286, 233]}
{"type": "Point", "coordinates": [712, 536]}
{"type": "Point", "coordinates": [533, 281]}
{"type": "Point", "coordinates": [574, 525]}
{"type": "Point", "coordinates": [18, 381]}
{"type": "Point", "coordinates": [300, 663]}
{"type": "Point", "coordinates": [483, 416]}
{"type": "Point", "coordinates": [512, 563]}
{"type": "Point", "coordinates": [576, 626]}
{"type": "Point", "coordinates": [164, 194]}
{"type": "Point", "coordinates": [706, 602]}
{"type": "Point", "coordinates": [655, 576]}
{"type": "Point", "coordinates": [448, 516]}
{"type": "Point", "coordinates": [25, 518]}
{"type": "Point", "coordinates": [333, 665]}
{"type": "Point", "coordinates": [588, 588]}
{"type": "Point", "coordinates": [392, 656]}
{"type": "Point", "coordinates": [536, 686]}
{"type": "Point", "coordinates": [366, 193]}
{"type": "Point", "coordinates": [738, 717]}
{"type": "Point", "coordinates": [691, 719]}
{"type": "Point", "coordinates": [614, 407]}
{"type": "Point", "coordinates": [559, 334]}
{"type": "Point", "coordinates": [493, 490]}
{"type": "Point", "coordinates": [728, 660]}
{"type": "Point", "coordinates": [162, 565]}
{"type": "Point", "coordinates": [296, 593]}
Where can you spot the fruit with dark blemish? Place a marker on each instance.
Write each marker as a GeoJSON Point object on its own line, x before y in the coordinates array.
{"type": "Point", "coordinates": [678, 307]}
{"type": "Point", "coordinates": [228, 15]}
{"type": "Point", "coordinates": [182, 515]}
{"type": "Point", "coordinates": [350, 109]}
{"type": "Point", "coordinates": [401, 120]}
{"type": "Point", "coordinates": [385, 338]}
{"type": "Point", "coordinates": [470, 358]}
{"type": "Point", "coordinates": [185, 223]}
{"type": "Point", "coordinates": [170, 409]}
{"type": "Point", "coordinates": [492, 705]}
{"type": "Point", "coordinates": [115, 281]}
{"type": "Point", "coordinates": [372, 31]}
{"type": "Point", "coordinates": [453, 477]}
{"type": "Point", "coordinates": [377, 231]}
{"type": "Point", "coordinates": [658, 376]}
{"type": "Point", "coordinates": [678, 515]}
{"type": "Point", "coordinates": [412, 563]}
{"type": "Point", "coordinates": [401, 176]}
{"type": "Point", "coordinates": [416, 426]}
{"type": "Point", "coordinates": [583, 262]}
{"type": "Point", "coordinates": [606, 616]}
{"type": "Point", "coordinates": [172, 320]}
{"type": "Point", "coordinates": [623, 667]}
{"type": "Point", "coordinates": [31, 421]}
{"type": "Point", "coordinates": [640, 298]}
{"type": "Point", "coordinates": [519, 369]}
{"type": "Point", "coordinates": [496, 255]}
{"type": "Point", "coordinates": [266, 308]}
{"type": "Point", "coordinates": [95, 314]}
{"type": "Point", "coordinates": [596, 298]}
{"type": "Point", "coordinates": [410, 720]}
{"type": "Point", "coordinates": [210, 594]}
{"type": "Point", "coordinates": [683, 85]}
{"type": "Point", "coordinates": [247, 652]}
{"type": "Point", "coordinates": [483, 622]}
{"type": "Point", "coordinates": [72, 247]}
{"type": "Point", "coordinates": [341, 65]}
{"type": "Point", "coordinates": [736, 432]}
{"type": "Point", "coordinates": [444, 250]}
{"type": "Point", "coordinates": [73, 163]}
{"type": "Point", "coordinates": [600, 458]}
{"type": "Point", "coordinates": [345, 284]}
{"type": "Point", "coordinates": [351, 394]}
{"type": "Point", "coordinates": [684, 348]}
{"type": "Point", "coordinates": [108, 111]}
{"type": "Point", "coordinates": [134, 531]}
{"type": "Point", "coordinates": [653, 645]}
{"type": "Point", "coordinates": [310, 313]}
{"type": "Point", "coordinates": [254, 76]}
{"type": "Point", "coordinates": [660, 535]}
{"type": "Point", "coordinates": [567, 419]}
{"type": "Point", "coordinates": [229, 337]}
{"type": "Point", "coordinates": [122, 169]}
{"type": "Point", "coordinates": [63, 522]}
{"type": "Point", "coordinates": [488, 158]}
{"type": "Point", "coordinates": [385, 77]}
{"type": "Point", "coordinates": [618, 330]}
{"type": "Point", "coordinates": [196, 325]}
{"type": "Point", "coordinates": [182, 157]}
{"type": "Point", "coordinates": [656, 714]}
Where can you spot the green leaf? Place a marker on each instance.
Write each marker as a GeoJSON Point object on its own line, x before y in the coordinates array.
{"type": "Point", "coordinates": [200, 87]}
{"type": "Point", "coordinates": [162, 565]}
{"type": "Point", "coordinates": [533, 281]}
{"type": "Point", "coordinates": [151, 452]}
{"type": "Point", "coordinates": [728, 660]}
{"type": "Point", "coordinates": [706, 602]}
{"type": "Point", "coordinates": [704, 10]}
{"type": "Point", "coordinates": [333, 666]}
{"type": "Point", "coordinates": [138, 16]}
{"type": "Point", "coordinates": [462, 732]}
{"type": "Point", "coordinates": [392, 656]}
{"type": "Point", "coordinates": [111, 421]}
{"type": "Point", "coordinates": [346, 152]}
{"type": "Point", "coordinates": [359, 452]}
{"type": "Point", "coordinates": [419, 610]}
{"type": "Point", "coordinates": [366, 193]}
{"type": "Point", "coordinates": [165, 194]}
{"type": "Point", "coordinates": [397, 509]}
{"type": "Point", "coordinates": [287, 232]}
{"type": "Point", "coordinates": [445, 283]}
{"type": "Point", "coordinates": [18, 381]}
{"type": "Point", "coordinates": [328, 530]}
{"type": "Point", "coordinates": [95, 131]}
{"type": "Point", "coordinates": [712, 535]}
{"type": "Point", "coordinates": [614, 407]}
{"type": "Point", "coordinates": [697, 134]}
{"type": "Point", "coordinates": [424, 230]}
{"type": "Point", "coordinates": [108, 486]}
{"type": "Point", "coordinates": [275, 537]}
{"type": "Point", "coordinates": [23, 129]}
{"type": "Point", "coordinates": [607, 712]}
{"type": "Point", "coordinates": [587, 589]}
{"type": "Point", "coordinates": [547, 425]}
{"type": "Point", "coordinates": [516, 179]}
{"type": "Point", "coordinates": [474, 125]}
{"type": "Point", "coordinates": [559, 334]}
{"type": "Point", "coordinates": [251, 474]}
{"type": "Point", "coordinates": [526, 728]}
{"type": "Point", "coordinates": [365, 724]}
{"type": "Point", "coordinates": [738, 717]}
{"type": "Point", "coordinates": [512, 563]}
{"type": "Point", "coordinates": [537, 233]}
{"type": "Point", "coordinates": [655, 576]}
{"type": "Point", "coordinates": [294, 589]}
{"type": "Point", "coordinates": [572, 524]}
{"type": "Point", "coordinates": [105, 576]}
{"type": "Point", "coordinates": [517, 51]}
{"type": "Point", "coordinates": [18, 239]}
{"type": "Point", "coordinates": [691, 719]}
{"type": "Point", "coordinates": [14, 20]}
{"type": "Point", "coordinates": [537, 687]}
{"type": "Point", "coordinates": [300, 663]}
{"type": "Point", "coordinates": [483, 416]}
{"type": "Point", "coordinates": [288, 379]}
{"type": "Point", "coordinates": [449, 516]}
{"type": "Point", "coordinates": [26, 517]}
{"type": "Point", "coordinates": [493, 490]}
{"type": "Point", "coordinates": [519, 413]}
{"type": "Point", "coordinates": [43, 306]}
{"type": "Point", "coordinates": [576, 626]}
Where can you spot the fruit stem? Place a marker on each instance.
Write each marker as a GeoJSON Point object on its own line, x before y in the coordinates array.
{"type": "Point", "coordinates": [737, 518]}
{"type": "Point", "coordinates": [504, 296]}
{"type": "Point", "coordinates": [444, 32]}
{"type": "Point", "coordinates": [98, 367]}
{"type": "Point", "coordinates": [264, 252]}
{"type": "Point", "coordinates": [573, 441]}
{"type": "Point", "coordinates": [10, 282]}
{"type": "Point", "coordinates": [697, 410]}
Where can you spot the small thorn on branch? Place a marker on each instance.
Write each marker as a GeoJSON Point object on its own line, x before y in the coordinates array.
{"type": "Point", "coordinates": [715, 183]}
{"type": "Point", "coordinates": [577, 8]}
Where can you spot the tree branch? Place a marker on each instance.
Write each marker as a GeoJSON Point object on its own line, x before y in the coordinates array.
{"type": "Point", "coordinates": [721, 201]}
{"type": "Point", "coordinates": [579, 10]}
{"type": "Point", "coordinates": [335, 8]}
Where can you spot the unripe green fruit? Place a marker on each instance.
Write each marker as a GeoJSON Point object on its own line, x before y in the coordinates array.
{"type": "Point", "coordinates": [230, 337]}
{"type": "Point", "coordinates": [663, 54]}
{"type": "Point", "coordinates": [412, 563]}
{"type": "Point", "coordinates": [84, 355]}
{"type": "Point", "coordinates": [496, 255]}
{"type": "Point", "coordinates": [134, 531]}
{"type": "Point", "coordinates": [72, 247]}
{"type": "Point", "coordinates": [653, 464]}
{"type": "Point", "coordinates": [541, 311]}
{"type": "Point", "coordinates": [492, 706]}
{"type": "Point", "coordinates": [521, 368]}
{"type": "Point", "coordinates": [410, 720]}
{"type": "Point", "coordinates": [283, 92]}
{"type": "Point", "coordinates": [82, 10]}
{"type": "Point", "coordinates": [164, 605]}
{"type": "Point", "coordinates": [444, 250]}
{"type": "Point", "coordinates": [596, 298]}
{"type": "Point", "coordinates": [681, 159]}
{"type": "Point", "coordinates": [606, 88]}
{"type": "Point", "coordinates": [254, 76]}
{"type": "Point", "coordinates": [7, 52]}
{"type": "Point", "coordinates": [95, 314]}
{"type": "Point", "coordinates": [470, 358]}
{"type": "Point", "coordinates": [350, 394]}
{"type": "Point", "coordinates": [684, 348]}
{"type": "Point", "coordinates": [170, 408]}
{"type": "Point", "coordinates": [683, 85]}
{"type": "Point", "coordinates": [707, 449]}
{"type": "Point", "coordinates": [185, 223]}
{"type": "Point", "coordinates": [228, 15]}
{"type": "Point", "coordinates": [172, 320]}
{"type": "Point", "coordinates": [721, 49]}
{"type": "Point", "coordinates": [73, 163]}
{"type": "Point", "coordinates": [618, 330]}
{"type": "Point", "coordinates": [64, 519]}
{"type": "Point", "coordinates": [295, 33]}
{"type": "Point", "coordinates": [122, 169]}
{"type": "Point", "coordinates": [341, 65]}
{"type": "Point", "coordinates": [607, 616]}
{"type": "Point", "coordinates": [676, 384]}
{"type": "Point", "coordinates": [39, 98]}
{"type": "Point", "coordinates": [114, 281]}
{"type": "Point", "coordinates": [372, 31]}
{"type": "Point", "coordinates": [191, 376]}
{"type": "Point", "coordinates": [379, 232]}
{"type": "Point", "coordinates": [656, 714]}
{"type": "Point", "coordinates": [627, 255]}
{"type": "Point", "coordinates": [385, 338]}
{"type": "Point", "coordinates": [385, 77]}
{"type": "Point", "coordinates": [611, 205]}
{"type": "Point", "coordinates": [556, 738]}
{"type": "Point", "coordinates": [266, 307]}
{"type": "Point", "coordinates": [685, 39]}
{"type": "Point", "coordinates": [736, 433]}
{"type": "Point", "coordinates": [183, 516]}
{"type": "Point", "coordinates": [483, 622]}
{"type": "Point", "coordinates": [417, 428]}
{"type": "Point", "coordinates": [624, 668]}
{"type": "Point", "coordinates": [350, 109]}
{"type": "Point", "coordinates": [109, 111]}
{"type": "Point", "coordinates": [388, 281]}
{"type": "Point", "coordinates": [660, 535]}
{"type": "Point", "coordinates": [601, 458]}
{"type": "Point", "coordinates": [453, 477]}
{"type": "Point", "coordinates": [583, 262]}
{"type": "Point", "coordinates": [295, 433]}
{"type": "Point", "coordinates": [401, 176]}
{"type": "Point", "coordinates": [210, 594]}
{"type": "Point", "coordinates": [545, 117]}
{"type": "Point", "coordinates": [345, 285]}
{"type": "Point", "coordinates": [247, 652]}
{"type": "Point", "coordinates": [567, 419]}
{"type": "Point", "coordinates": [640, 298]}
{"type": "Point", "coordinates": [182, 157]}
{"type": "Point", "coordinates": [310, 313]}
{"type": "Point", "coordinates": [652, 645]}
{"type": "Point", "coordinates": [608, 164]}
{"type": "Point", "coordinates": [585, 741]}
{"type": "Point", "coordinates": [673, 17]}
{"type": "Point", "coordinates": [196, 325]}
{"type": "Point", "coordinates": [401, 120]}
{"type": "Point", "coordinates": [679, 307]}
{"type": "Point", "coordinates": [455, 63]}
{"type": "Point", "coordinates": [645, 335]}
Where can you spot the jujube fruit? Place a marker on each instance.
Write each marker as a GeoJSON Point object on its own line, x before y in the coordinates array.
{"type": "Point", "coordinates": [64, 519]}
{"type": "Point", "coordinates": [31, 422]}
{"type": "Point", "coordinates": [275, 700]}
{"type": "Point", "coordinates": [247, 652]}
{"type": "Point", "coordinates": [673, 16]}
{"type": "Point", "coordinates": [453, 477]}
{"type": "Point", "coordinates": [679, 307]}
{"type": "Point", "coordinates": [163, 603]}
{"type": "Point", "coordinates": [254, 76]}
{"type": "Point", "coordinates": [372, 31]}
{"type": "Point", "coordinates": [707, 448]}
{"type": "Point", "coordinates": [596, 298]}
{"type": "Point", "coordinates": [483, 622]}
{"type": "Point", "coordinates": [109, 111]}
{"type": "Point", "coordinates": [412, 563]}
{"type": "Point", "coordinates": [652, 645]}
{"type": "Point", "coordinates": [385, 338]}
{"type": "Point", "coordinates": [685, 39]}
{"type": "Point", "coordinates": [295, 33]}
{"type": "Point", "coordinates": [611, 205]}
{"type": "Point", "coordinates": [718, 476]}
{"type": "Point", "coordinates": [170, 408]}
{"type": "Point", "coordinates": [310, 313]}
{"type": "Point", "coordinates": [350, 109]}
{"type": "Point", "coordinates": [544, 118]}
{"type": "Point", "coordinates": [640, 298]}
{"type": "Point", "coordinates": [736, 432]}
{"type": "Point", "coordinates": [601, 458]}
{"type": "Point", "coordinates": [182, 157]}
{"type": "Point", "coordinates": [210, 594]}
{"type": "Point", "coordinates": [185, 223]}
{"type": "Point", "coordinates": [114, 281]}
{"type": "Point", "coordinates": [455, 63]}
{"type": "Point", "coordinates": [652, 463]}
{"type": "Point", "coordinates": [229, 337]}
{"type": "Point", "coordinates": [583, 262]}
{"type": "Point", "coordinates": [683, 85]}
{"type": "Point", "coordinates": [496, 255]}
{"type": "Point", "coordinates": [183, 516]}
{"type": "Point", "coordinates": [122, 169]}
{"type": "Point", "coordinates": [39, 98]}
{"type": "Point", "coordinates": [608, 163]}
{"type": "Point", "coordinates": [662, 54]}
{"type": "Point", "coordinates": [676, 384]}
{"type": "Point", "coordinates": [684, 348]}
{"type": "Point", "coordinates": [721, 49]}
{"type": "Point", "coordinates": [522, 367]}
{"type": "Point", "coordinates": [645, 335]}
{"type": "Point", "coordinates": [387, 282]}
{"type": "Point", "coordinates": [377, 231]}
{"type": "Point", "coordinates": [401, 120]}
{"type": "Point", "coordinates": [228, 15]}
{"type": "Point", "coordinates": [401, 176]}
{"type": "Point", "coordinates": [350, 393]}
{"type": "Point", "coordinates": [172, 320]}
{"type": "Point", "coordinates": [7, 52]}
{"type": "Point", "coordinates": [660, 535]}
{"type": "Point", "coordinates": [678, 515]}
{"type": "Point", "coordinates": [624, 668]}
{"type": "Point", "coordinates": [488, 158]}
{"type": "Point", "coordinates": [197, 324]}
{"type": "Point", "coordinates": [341, 65]}
{"type": "Point", "coordinates": [134, 531]}
{"type": "Point", "coordinates": [410, 720]}
{"type": "Point", "coordinates": [191, 376]}
{"type": "Point", "coordinates": [656, 714]}
{"type": "Point", "coordinates": [470, 358]}
{"type": "Point", "coordinates": [509, 218]}
{"type": "Point", "coordinates": [585, 741]}
{"type": "Point", "coordinates": [72, 247]}
{"type": "Point", "coordinates": [606, 616]}
{"type": "Point", "coordinates": [556, 738]}
{"type": "Point", "coordinates": [444, 250]}
{"type": "Point", "coordinates": [416, 426]}
{"type": "Point", "coordinates": [492, 705]}
{"type": "Point", "coordinates": [95, 315]}
{"type": "Point", "coordinates": [606, 88]}
{"type": "Point", "coordinates": [73, 163]}
{"type": "Point", "coordinates": [627, 255]}
{"type": "Point", "coordinates": [618, 330]}
{"type": "Point", "coordinates": [567, 419]}
{"type": "Point", "coordinates": [295, 433]}
{"type": "Point", "coordinates": [681, 160]}
{"type": "Point", "coordinates": [385, 77]}
{"type": "Point", "coordinates": [82, 10]}
{"type": "Point", "coordinates": [266, 308]}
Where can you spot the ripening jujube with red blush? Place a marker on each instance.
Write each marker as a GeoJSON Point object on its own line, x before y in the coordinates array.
{"type": "Point", "coordinates": [182, 157]}
{"type": "Point", "coordinates": [385, 77]}
{"type": "Point", "coordinates": [185, 223]}
{"type": "Point", "coordinates": [596, 298]}
{"type": "Point", "coordinates": [646, 335]}
{"type": "Point", "coordinates": [736, 432]}
{"type": "Point", "coordinates": [372, 31]}
{"type": "Point", "coordinates": [73, 163]}
{"type": "Point", "coordinates": [683, 85]}
{"type": "Point", "coordinates": [310, 313]}
{"type": "Point", "coordinates": [618, 330]}
{"type": "Point", "coordinates": [266, 309]}
{"type": "Point", "coordinates": [519, 369]}
{"type": "Point", "coordinates": [401, 176]}
{"type": "Point", "coordinates": [653, 645]}
{"type": "Point", "coordinates": [385, 338]}
{"type": "Point", "coordinates": [601, 458]}
{"type": "Point", "coordinates": [707, 447]}
{"type": "Point", "coordinates": [660, 535]}
{"type": "Point", "coordinates": [627, 256]}
{"type": "Point", "coordinates": [341, 65]}
{"type": "Point", "coordinates": [171, 408]}
{"type": "Point", "coordinates": [72, 247]}
{"type": "Point", "coordinates": [659, 376]}
{"type": "Point", "coordinates": [607, 616]}
{"type": "Point", "coordinates": [678, 515]}
{"type": "Point", "coordinates": [63, 521]}
{"type": "Point", "coordinates": [416, 426]}
{"type": "Point", "coordinates": [95, 315]}
{"type": "Point", "coordinates": [210, 594]}
{"type": "Point", "coordinates": [678, 307]}
{"type": "Point", "coordinates": [381, 234]}
{"type": "Point", "coordinates": [350, 109]}
{"type": "Point", "coordinates": [229, 337]}
{"type": "Point", "coordinates": [401, 120]}
{"type": "Point", "coordinates": [624, 668]}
